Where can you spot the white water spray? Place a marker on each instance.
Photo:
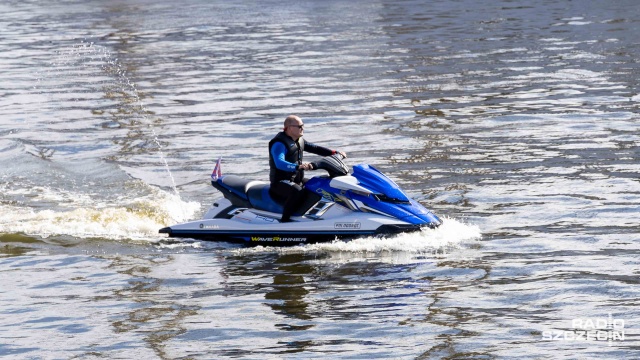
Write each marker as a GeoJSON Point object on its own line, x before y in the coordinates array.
{"type": "Point", "coordinates": [76, 60]}
{"type": "Point", "coordinates": [84, 197]}
{"type": "Point", "coordinates": [396, 248]}
{"type": "Point", "coordinates": [124, 79]}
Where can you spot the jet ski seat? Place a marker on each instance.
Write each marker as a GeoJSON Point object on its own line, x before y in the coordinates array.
{"type": "Point", "coordinates": [249, 193]}
{"type": "Point", "coordinates": [255, 194]}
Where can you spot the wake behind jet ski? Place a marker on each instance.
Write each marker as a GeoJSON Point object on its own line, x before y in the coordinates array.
{"type": "Point", "coordinates": [336, 206]}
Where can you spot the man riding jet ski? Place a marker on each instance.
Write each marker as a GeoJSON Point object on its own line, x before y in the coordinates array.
{"type": "Point", "coordinates": [286, 169]}
{"type": "Point", "coordinates": [292, 210]}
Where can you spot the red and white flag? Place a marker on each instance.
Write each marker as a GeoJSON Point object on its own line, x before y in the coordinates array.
{"type": "Point", "coordinates": [217, 171]}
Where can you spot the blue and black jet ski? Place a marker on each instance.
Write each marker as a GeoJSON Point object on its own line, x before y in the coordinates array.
{"type": "Point", "coordinates": [336, 206]}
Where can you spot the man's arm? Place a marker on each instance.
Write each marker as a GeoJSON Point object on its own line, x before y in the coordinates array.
{"type": "Point", "coordinates": [277, 152]}
{"type": "Point", "coordinates": [317, 149]}
{"type": "Point", "coordinates": [321, 150]}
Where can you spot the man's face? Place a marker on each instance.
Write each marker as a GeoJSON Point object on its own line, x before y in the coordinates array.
{"type": "Point", "coordinates": [295, 129]}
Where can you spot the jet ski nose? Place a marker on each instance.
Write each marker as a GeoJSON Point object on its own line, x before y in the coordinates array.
{"type": "Point", "coordinates": [166, 230]}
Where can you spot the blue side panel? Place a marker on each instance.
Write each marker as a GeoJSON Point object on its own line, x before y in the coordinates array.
{"type": "Point", "coordinates": [413, 212]}
{"type": "Point", "coordinates": [320, 186]}
{"type": "Point", "coordinates": [376, 181]}
{"type": "Point", "coordinates": [317, 182]}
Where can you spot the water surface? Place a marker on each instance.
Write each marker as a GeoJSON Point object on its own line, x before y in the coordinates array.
{"type": "Point", "coordinates": [515, 122]}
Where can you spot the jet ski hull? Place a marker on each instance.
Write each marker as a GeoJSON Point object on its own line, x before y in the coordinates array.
{"type": "Point", "coordinates": [280, 237]}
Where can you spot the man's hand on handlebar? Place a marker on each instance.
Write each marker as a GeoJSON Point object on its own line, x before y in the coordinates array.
{"type": "Point", "coordinates": [307, 166]}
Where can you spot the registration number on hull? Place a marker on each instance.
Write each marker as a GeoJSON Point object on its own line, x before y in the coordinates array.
{"type": "Point", "coordinates": [346, 225]}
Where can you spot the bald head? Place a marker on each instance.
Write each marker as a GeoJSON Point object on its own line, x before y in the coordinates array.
{"type": "Point", "coordinates": [292, 120]}
{"type": "Point", "coordinates": [293, 127]}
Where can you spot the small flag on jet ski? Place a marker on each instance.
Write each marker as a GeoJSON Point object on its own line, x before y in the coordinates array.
{"type": "Point", "coordinates": [217, 171]}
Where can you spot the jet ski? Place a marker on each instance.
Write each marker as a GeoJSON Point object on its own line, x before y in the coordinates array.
{"type": "Point", "coordinates": [337, 205]}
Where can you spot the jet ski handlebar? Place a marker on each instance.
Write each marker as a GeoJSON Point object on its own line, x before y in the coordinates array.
{"type": "Point", "coordinates": [333, 165]}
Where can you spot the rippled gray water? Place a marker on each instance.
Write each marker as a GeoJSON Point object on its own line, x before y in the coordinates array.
{"type": "Point", "coordinates": [516, 121]}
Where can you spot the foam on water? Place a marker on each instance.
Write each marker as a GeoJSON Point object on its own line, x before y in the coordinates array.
{"type": "Point", "coordinates": [126, 218]}
{"type": "Point", "coordinates": [82, 199]}
{"type": "Point", "coordinates": [451, 234]}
